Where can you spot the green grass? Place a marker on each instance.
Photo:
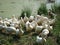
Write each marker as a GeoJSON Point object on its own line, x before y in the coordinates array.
{"type": "Point", "coordinates": [27, 11]}
{"type": "Point", "coordinates": [55, 8]}
{"type": "Point", "coordinates": [42, 9]}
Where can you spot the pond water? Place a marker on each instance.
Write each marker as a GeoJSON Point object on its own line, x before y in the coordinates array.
{"type": "Point", "coordinates": [48, 5]}
{"type": "Point", "coordinates": [11, 7]}
{"type": "Point", "coordinates": [15, 7]}
{"type": "Point", "coordinates": [57, 2]}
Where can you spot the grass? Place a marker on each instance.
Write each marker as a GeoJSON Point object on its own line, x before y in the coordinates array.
{"type": "Point", "coordinates": [55, 8]}
{"type": "Point", "coordinates": [42, 9]}
{"type": "Point", "coordinates": [27, 11]}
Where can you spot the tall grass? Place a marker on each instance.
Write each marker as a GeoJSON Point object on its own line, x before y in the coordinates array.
{"type": "Point", "coordinates": [42, 9]}
{"type": "Point", "coordinates": [56, 8]}
{"type": "Point", "coordinates": [27, 11]}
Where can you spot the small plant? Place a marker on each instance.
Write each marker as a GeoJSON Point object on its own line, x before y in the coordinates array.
{"type": "Point", "coordinates": [55, 8]}
{"type": "Point", "coordinates": [42, 9]}
{"type": "Point", "coordinates": [27, 11]}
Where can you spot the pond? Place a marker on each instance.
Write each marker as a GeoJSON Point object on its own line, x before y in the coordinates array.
{"type": "Point", "coordinates": [48, 5]}
{"type": "Point", "coordinates": [15, 7]}
{"type": "Point", "coordinates": [57, 2]}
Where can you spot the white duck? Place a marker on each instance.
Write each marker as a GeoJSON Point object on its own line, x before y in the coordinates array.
{"type": "Point", "coordinates": [38, 29]}
{"type": "Point", "coordinates": [25, 18]}
{"type": "Point", "coordinates": [31, 18]}
{"type": "Point", "coordinates": [40, 40]}
{"type": "Point", "coordinates": [44, 33]}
